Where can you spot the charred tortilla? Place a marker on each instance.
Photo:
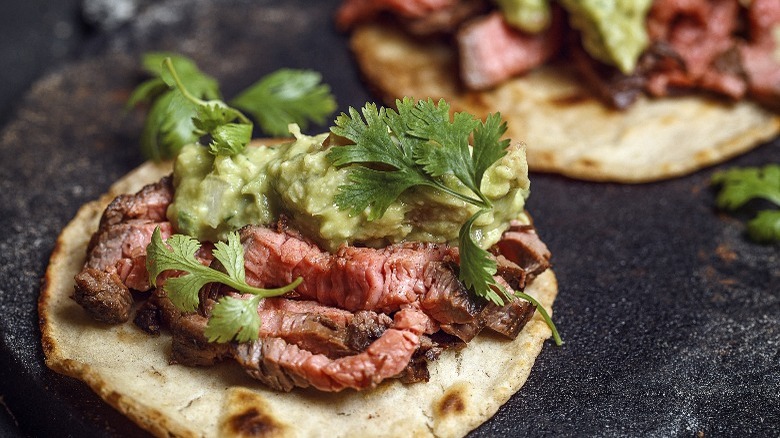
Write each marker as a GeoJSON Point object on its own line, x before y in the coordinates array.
{"type": "Point", "coordinates": [568, 130]}
{"type": "Point", "coordinates": [130, 370]}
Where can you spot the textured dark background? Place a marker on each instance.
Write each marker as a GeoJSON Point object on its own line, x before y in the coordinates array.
{"type": "Point", "coordinates": [670, 317]}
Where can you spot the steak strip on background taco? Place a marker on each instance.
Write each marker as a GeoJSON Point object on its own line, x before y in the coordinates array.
{"type": "Point", "coordinates": [379, 297]}
{"type": "Point", "coordinates": [629, 91]}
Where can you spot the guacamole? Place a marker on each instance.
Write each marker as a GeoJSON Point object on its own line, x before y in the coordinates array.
{"type": "Point", "coordinates": [530, 16]}
{"type": "Point", "coordinates": [215, 195]}
{"type": "Point", "coordinates": [612, 31]}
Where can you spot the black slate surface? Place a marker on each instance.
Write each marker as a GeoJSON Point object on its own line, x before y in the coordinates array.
{"type": "Point", "coordinates": [670, 317]}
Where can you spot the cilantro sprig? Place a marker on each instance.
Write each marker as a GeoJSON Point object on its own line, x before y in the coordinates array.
{"type": "Point", "coordinates": [417, 146]}
{"type": "Point", "coordinates": [738, 186]}
{"type": "Point", "coordinates": [232, 318]}
{"type": "Point", "coordinates": [186, 104]}
{"type": "Point", "coordinates": [421, 145]}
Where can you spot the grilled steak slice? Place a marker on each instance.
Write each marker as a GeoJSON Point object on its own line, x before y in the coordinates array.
{"type": "Point", "coordinates": [365, 328]}
{"type": "Point", "coordinates": [446, 299]}
{"type": "Point", "coordinates": [103, 295]}
{"type": "Point", "coordinates": [354, 278]}
{"type": "Point", "coordinates": [150, 203]}
{"type": "Point", "coordinates": [121, 248]}
{"type": "Point", "coordinates": [156, 313]}
{"type": "Point", "coordinates": [116, 254]}
{"type": "Point", "coordinates": [701, 32]}
{"type": "Point", "coordinates": [444, 21]}
{"type": "Point", "coordinates": [508, 319]}
{"type": "Point", "coordinates": [491, 50]}
{"type": "Point", "coordinates": [521, 245]}
{"type": "Point", "coordinates": [190, 345]}
{"type": "Point", "coordinates": [607, 82]}
{"type": "Point", "coordinates": [315, 333]}
{"type": "Point", "coordinates": [352, 12]}
{"type": "Point", "coordinates": [758, 56]}
{"type": "Point", "coordinates": [261, 360]}
{"type": "Point", "coordinates": [283, 366]}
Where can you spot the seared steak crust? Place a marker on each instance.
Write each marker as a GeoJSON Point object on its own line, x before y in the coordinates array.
{"type": "Point", "coordinates": [116, 254]}
{"type": "Point", "coordinates": [103, 295]}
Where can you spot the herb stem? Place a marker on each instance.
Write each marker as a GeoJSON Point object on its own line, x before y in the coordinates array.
{"type": "Point", "coordinates": [545, 315]}
{"type": "Point", "coordinates": [264, 293]}
{"type": "Point", "coordinates": [481, 202]}
{"type": "Point", "coordinates": [189, 96]}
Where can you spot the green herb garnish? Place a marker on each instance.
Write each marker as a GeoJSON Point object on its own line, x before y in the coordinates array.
{"type": "Point", "coordinates": [287, 96]}
{"type": "Point", "coordinates": [186, 104]}
{"type": "Point", "coordinates": [419, 145]}
{"type": "Point", "coordinates": [232, 318]}
{"type": "Point", "coordinates": [741, 185]}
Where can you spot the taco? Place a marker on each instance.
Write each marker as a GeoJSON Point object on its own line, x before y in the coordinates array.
{"type": "Point", "coordinates": [375, 333]}
{"type": "Point", "coordinates": [606, 91]}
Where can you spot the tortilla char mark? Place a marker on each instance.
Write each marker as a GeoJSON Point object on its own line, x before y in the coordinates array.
{"type": "Point", "coordinates": [362, 315]}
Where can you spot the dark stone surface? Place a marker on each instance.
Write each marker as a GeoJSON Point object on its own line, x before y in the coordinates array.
{"type": "Point", "coordinates": [670, 317]}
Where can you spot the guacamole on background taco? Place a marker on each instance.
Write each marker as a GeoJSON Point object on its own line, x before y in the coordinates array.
{"type": "Point", "coordinates": [606, 91]}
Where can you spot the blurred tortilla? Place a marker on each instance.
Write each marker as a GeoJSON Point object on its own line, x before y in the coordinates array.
{"type": "Point", "coordinates": [566, 129]}
{"type": "Point", "coordinates": [130, 370]}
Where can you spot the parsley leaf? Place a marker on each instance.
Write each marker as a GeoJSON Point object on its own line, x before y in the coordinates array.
{"type": "Point", "coordinates": [738, 186]}
{"type": "Point", "coordinates": [232, 317]}
{"type": "Point", "coordinates": [287, 96]}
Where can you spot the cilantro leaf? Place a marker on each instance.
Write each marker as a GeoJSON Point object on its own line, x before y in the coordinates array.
{"type": "Point", "coordinates": [738, 186]}
{"type": "Point", "coordinates": [417, 145]}
{"type": "Point", "coordinates": [374, 189]}
{"type": "Point", "coordinates": [545, 315]}
{"type": "Point", "coordinates": [488, 146]}
{"type": "Point", "coordinates": [287, 96]}
{"type": "Point", "coordinates": [447, 147]}
{"type": "Point", "coordinates": [234, 318]}
{"type": "Point", "coordinates": [168, 125]}
{"type": "Point", "coordinates": [186, 104]}
{"type": "Point", "coordinates": [478, 274]}
{"type": "Point", "coordinates": [765, 227]}
{"type": "Point", "coordinates": [177, 253]}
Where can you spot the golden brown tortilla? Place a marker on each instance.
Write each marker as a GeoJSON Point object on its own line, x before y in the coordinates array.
{"type": "Point", "coordinates": [567, 130]}
{"type": "Point", "coordinates": [130, 370]}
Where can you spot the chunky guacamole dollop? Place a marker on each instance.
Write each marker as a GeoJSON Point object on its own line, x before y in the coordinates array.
{"type": "Point", "coordinates": [612, 31]}
{"type": "Point", "coordinates": [218, 194]}
{"type": "Point", "coordinates": [530, 16]}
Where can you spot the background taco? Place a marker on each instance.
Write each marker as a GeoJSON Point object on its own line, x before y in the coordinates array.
{"type": "Point", "coordinates": [625, 91]}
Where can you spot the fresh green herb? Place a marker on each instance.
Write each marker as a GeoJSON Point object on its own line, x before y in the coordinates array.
{"type": "Point", "coordinates": [186, 104]}
{"type": "Point", "coordinates": [229, 129]}
{"type": "Point", "coordinates": [168, 125]}
{"type": "Point", "coordinates": [232, 318]}
{"type": "Point", "coordinates": [420, 146]}
{"type": "Point", "coordinates": [287, 96]}
{"type": "Point", "coordinates": [741, 185]}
